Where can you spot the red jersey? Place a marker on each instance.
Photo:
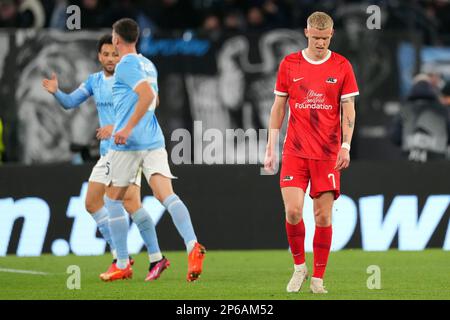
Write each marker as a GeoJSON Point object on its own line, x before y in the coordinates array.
{"type": "Point", "coordinates": [315, 89]}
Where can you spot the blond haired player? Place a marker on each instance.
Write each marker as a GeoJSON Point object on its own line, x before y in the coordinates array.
{"type": "Point", "coordinates": [318, 85]}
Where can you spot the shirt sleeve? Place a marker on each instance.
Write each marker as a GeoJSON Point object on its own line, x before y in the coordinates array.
{"type": "Point", "coordinates": [71, 100]}
{"type": "Point", "coordinates": [281, 86]}
{"type": "Point", "coordinates": [131, 73]}
{"type": "Point", "coordinates": [349, 87]}
{"type": "Point", "coordinates": [86, 87]}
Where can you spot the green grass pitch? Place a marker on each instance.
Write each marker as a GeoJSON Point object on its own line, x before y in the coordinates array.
{"type": "Point", "coordinates": [258, 275]}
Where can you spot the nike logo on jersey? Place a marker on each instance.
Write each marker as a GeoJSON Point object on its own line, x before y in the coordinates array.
{"type": "Point", "coordinates": [331, 80]}
{"type": "Point", "coordinates": [288, 178]}
{"type": "Point", "coordinates": [297, 79]}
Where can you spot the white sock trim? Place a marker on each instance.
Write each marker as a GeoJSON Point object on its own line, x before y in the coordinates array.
{"type": "Point", "coordinates": [190, 245]}
{"type": "Point", "coordinates": [153, 257]}
{"type": "Point", "coordinates": [299, 267]}
{"type": "Point", "coordinates": [137, 212]}
{"type": "Point", "coordinates": [118, 218]}
{"type": "Point", "coordinates": [173, 203]}
{"type": "Point", "coordinates": [123, 262]}
{"type": "Point", "coordinates": [99, 222]}
{"type": "Point", "coordinates": [114, 253]}
{"type": "Point", "coordinates": [317, 280]}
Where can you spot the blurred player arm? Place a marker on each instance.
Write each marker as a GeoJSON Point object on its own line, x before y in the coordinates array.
{"type": "Point", "coordinates": [105, 132]}
{"type": "Point", "coordinates": [348, 116]}
{"type": "Point", "coordinates": [348, 126]}
{"type": "Point", "coordinates": [146, 100]}
{"type": "Point", "coordinates": [71, 100]}
{"type": "Point", "coordinates": [277, 114]}
{"type": "Point", "coordinates": [67, 101]}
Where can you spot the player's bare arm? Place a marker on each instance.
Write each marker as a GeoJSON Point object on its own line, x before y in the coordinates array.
{"type": "Point", "coordinates": [277, 114]}
{"type": "Point", "coordinates": [348, 126]}
{"type": "Point", "coordinates": [105, 132]}
{"type": "Point", "coordinates": [145, 99]}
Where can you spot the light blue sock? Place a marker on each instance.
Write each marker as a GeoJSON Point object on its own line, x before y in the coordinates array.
{"type": "Point", "coordinates": [146, 227]}
{"type": "Point", "coordinates": [181, 219]}
{"type": "Point", "coordinates": [118, 225]}
{"type": "Point", "coordinates": [102, 219]}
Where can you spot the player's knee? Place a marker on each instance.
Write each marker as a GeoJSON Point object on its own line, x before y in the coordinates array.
{"type": "Point", "coordinates": [293, 214]}
{"type": "Point", "coordinates": [158, 196]}
{"type": "Point", "coordinates": [323, 222]}
{"type": "Point", "coordinates": [322, 217]}
{"type": "Point", "coordinates": [92, 206]}
{"type": "Point", "coordinates": [131, 205]}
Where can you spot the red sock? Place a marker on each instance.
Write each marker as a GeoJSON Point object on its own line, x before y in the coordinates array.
{"type": "Point", "coordinates": [321, 248]}
{"type": "Point", "coordinates": [296, 239]}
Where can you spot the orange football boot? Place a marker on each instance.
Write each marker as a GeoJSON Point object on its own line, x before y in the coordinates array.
{"type": "Point", "coordinates": [111, 267]}
{"type": "Point", "coordinates": [115, 273]}
{"type": "Point", "coordinates": [195, 262]}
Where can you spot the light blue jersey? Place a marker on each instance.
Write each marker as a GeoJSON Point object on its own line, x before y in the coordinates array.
{"type": "Point", "coordinates": [147, 134]}
{"type": "Point", "coordinates": [100, 87]}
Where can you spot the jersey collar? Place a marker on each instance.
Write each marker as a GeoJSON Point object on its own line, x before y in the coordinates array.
{"type": "Point", "coordinates": [131, 54]}
{"type": "Point", "coordinates": [319, 61]}
{"type": "Point", "coordinates": [107, 78]}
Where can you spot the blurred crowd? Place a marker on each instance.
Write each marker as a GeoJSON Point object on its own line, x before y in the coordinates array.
{"type": "Point", "coordinates": [428, 16]}
{"type": "Point", "coordinates": [422, 127]}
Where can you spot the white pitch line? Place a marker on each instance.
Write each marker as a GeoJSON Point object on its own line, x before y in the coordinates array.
{"type": "Point", "coordinates": [24, 271]}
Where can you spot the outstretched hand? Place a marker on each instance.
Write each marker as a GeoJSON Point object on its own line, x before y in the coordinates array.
{"type": "Point", "coordinates": [51, 85]}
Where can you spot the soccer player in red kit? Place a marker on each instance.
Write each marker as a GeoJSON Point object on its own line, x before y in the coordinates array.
{"type": "Point", "coordinates": [318, 85]}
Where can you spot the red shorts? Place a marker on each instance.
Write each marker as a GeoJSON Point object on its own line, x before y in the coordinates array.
{"type": "Point", "coordinates": [297, 172]}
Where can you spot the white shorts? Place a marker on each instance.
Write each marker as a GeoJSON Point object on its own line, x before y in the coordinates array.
{"type": "Point", "coordinates": [126, 166]}
{"type": "Point", "coordinates": [101, 172]}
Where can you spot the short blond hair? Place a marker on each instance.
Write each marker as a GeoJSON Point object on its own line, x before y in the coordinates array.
{"type": "Point", "coordinates": [319, 20]}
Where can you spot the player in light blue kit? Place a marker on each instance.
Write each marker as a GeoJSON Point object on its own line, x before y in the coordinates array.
{"type": "Point", "coordinates": [99, 85]}
{"type": "Point", "coordinates": [139, 144]}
